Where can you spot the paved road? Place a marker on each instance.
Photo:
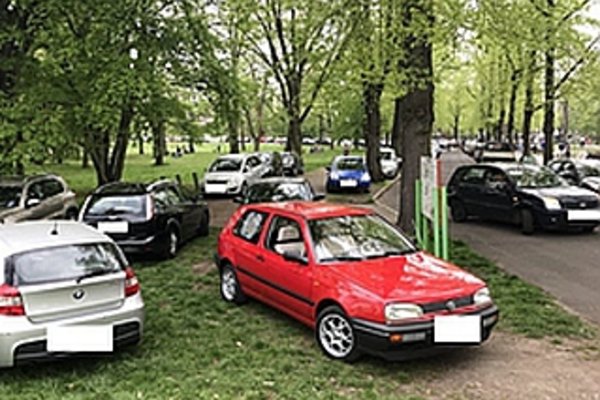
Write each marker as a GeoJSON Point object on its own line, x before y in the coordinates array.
{"type": "Point", "coordinates": [566, 265]}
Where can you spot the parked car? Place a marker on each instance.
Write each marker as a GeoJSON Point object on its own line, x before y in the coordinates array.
{"type": "Point", "coordinates": [353, 277]}
{"type": "Point", "coordinates": [527, 195]}
{"type": "Point", "coordinates": [496, 152]}
{"type": "Point", "coordinates": [584, 173]}
{"type": "Point", "coordinates": [273, 163]}
{"type": "Point", "coordinates": [36, 197]}
{"type": "Point", "coordinates": [279, 190]}
{"type": "Point", "coordinates": [390, 162]}
{"type": "Point", "coordinates": [155, 218]}
{"type": "Point", "coordinates": [65, 288]}
{"type": "Point", "coordinates": [309, 141]}
{"type": "Point", "coordinates": [233, 173]}
{"type": "Point", "coordinates": [292, 164]}
{"type": "Point", "coordinates": [348, 173]}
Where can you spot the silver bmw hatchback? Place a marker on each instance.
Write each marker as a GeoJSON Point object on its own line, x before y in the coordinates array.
{"type": "Point", "coordinates": [65, 289]}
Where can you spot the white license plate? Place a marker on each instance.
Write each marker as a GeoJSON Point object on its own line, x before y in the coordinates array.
{"type": "Point", "coordinates": [583, 215]}
{"type": "Point", "coordinates": [80, 338]}
{"type": "Point", "coordinates": [348, 183]}
{"type": "Point", "coordinates": [113, 227]}
{"type": "Point", "coordinates": [457, 329]}
{"type": "Point", "coordinates": [215, 188]}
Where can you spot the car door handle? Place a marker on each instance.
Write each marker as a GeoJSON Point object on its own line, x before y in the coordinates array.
{"type": "Point", "coordinates": [260, 258]}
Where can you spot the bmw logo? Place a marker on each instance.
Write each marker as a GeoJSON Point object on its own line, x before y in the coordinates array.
{"type": "Point", "coordinates": [79, 294]}
{"type": "Point", "coordinates": [451, 305]}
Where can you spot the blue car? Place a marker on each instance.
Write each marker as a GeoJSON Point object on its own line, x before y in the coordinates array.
{"type": "Point", "coordinates": [348, 173]}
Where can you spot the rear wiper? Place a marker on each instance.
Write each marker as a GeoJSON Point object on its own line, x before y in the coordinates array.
{"type": "Point", "coordinates": [92, 274]}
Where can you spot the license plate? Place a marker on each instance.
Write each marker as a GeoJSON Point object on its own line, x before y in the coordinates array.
{"type": "Point", "coordinates": [348, 183]}
{"type": "Point", "coordinates": [80, 338]}
{"type": "Point", "coordinates": [113, 227]}
{"type": "Point", "coordinates": [457, 329]}
{"type": "Point", "coordinates": [215, 188]}
{"type": "Point", "coordinates": [583, 215]}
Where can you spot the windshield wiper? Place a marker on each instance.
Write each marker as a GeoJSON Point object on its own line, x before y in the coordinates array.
{"type": "Point", "coordinates": [92, 274]}
{"type": "Point", "coordinates": [342, 258]}
{"type": "Point", "coordinates": [391, 253]}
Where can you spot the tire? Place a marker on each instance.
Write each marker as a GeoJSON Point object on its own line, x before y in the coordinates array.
{"type": "Point", "coordinates": [230, 288]}
{"type": "Point", "coordinates": [458, 212]}
{"type": "Point", "coordinates": [204, 228]}
{"type": "Point", "coordinates": [588, 229]}
{"type": "Point", "coordinates": [171, 244]}
{"type": "Point", "coordinates": [72, 214]}
{"type": "Point", "coordinates": [336, 336]}
{"type": "Point", "coordinates": [527, 222]}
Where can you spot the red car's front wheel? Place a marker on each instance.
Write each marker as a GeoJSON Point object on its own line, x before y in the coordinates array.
{"type": "Point", "coordinates": [335, 335]}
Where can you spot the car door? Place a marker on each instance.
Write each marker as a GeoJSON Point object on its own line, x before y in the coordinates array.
{"type": "Point", "coordinates": [175, 208]}
{"type": "Point", "coordinates": [470, 190]}
{"type": "Point", "coordinates": [33, 203]}
{"type": "Point", "coordinates": [53, 201]}
{"type": "Point", "coordinates": [497, 196]}
{"type": "Point", "coordinates": [286, 260]}
{"type": "Point", "coordinates": [191, 211]}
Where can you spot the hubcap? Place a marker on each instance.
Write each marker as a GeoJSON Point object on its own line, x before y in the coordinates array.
{"type": "Point", "coordinates": [228, 285]}
{"type": "Point", "coordinates": [336, 336]}
{"type": "Point", "coordinates": [173, 244]}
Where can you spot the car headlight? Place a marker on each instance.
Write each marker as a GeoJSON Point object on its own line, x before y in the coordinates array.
{"type": "Point", "coordinates": [401, 311]}
{"type": "Point", "coordinates": [234, 181]}
{"type": "Point", "coordinates": [551, 203]}
{"type": "Point", "coordinates": [365, 177]}
{"type": "Point", "coordinates": [334, 176]}
{"type": "Point", "coordinates": [482, 296]}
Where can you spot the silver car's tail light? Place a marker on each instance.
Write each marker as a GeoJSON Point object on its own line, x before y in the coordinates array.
{"type": "Point", "coordinates": [11, 302]}
{"type": "Point", "coordinates": [132, 285]}
{"type": "Point", "coordinates": [150, 208]}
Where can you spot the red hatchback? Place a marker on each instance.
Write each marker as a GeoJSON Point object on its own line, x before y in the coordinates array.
{"type": "Point", "coordinates": [354, 278]}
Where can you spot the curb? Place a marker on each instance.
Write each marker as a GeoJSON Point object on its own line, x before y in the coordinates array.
{"type": "Point", "coordinates": [386, 187]}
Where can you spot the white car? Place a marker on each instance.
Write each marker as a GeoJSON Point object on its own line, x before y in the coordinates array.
{"type": "Point", "coordinates": [233, 173]}
{"type": "Point", "coordinates": [65, 288]}
{"type": "Point", "coordinates": [390, 162]}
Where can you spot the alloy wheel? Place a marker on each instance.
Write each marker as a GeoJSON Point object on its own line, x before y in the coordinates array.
{"type": "Point", "coordinates": [336, 336]}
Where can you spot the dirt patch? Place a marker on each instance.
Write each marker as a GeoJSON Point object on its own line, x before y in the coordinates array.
{"type": "Point", "coordinates": [203, 268]}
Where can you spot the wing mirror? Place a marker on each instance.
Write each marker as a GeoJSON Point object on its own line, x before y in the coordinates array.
{"type": "Point", "coordinates": [295, 257]}
{"type": "Point", "coordinates": [328, 168]}
{"type": "Point", "coordinates": [319, 197]}
{"type": "Point", "coordinates": [30, 203]}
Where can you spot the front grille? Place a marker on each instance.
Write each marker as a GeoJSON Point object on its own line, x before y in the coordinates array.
{"type": "Point", "coordinates": [459, 302]}
{"type": "Point", "coordinates": [579, 204]}
{"type": "Point", "coordinates": [216, 181]}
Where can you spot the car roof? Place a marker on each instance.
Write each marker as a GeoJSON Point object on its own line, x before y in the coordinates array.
{"type": "Point", "coordinates": [278, 179]}
{"type": "Point", "coordinates": [131, 188]}
{"type": "Point", "coordinates": [24, 236]}
{"type": "Point", "coordinates": [233, 156]}
{"type": "Point", "coordinates": [311, 210]}
{"type": "Point", "coordinates": [16, 180]}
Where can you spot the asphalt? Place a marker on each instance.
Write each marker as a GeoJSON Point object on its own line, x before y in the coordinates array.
{"type": "Point", "coordinates": [567, 265]}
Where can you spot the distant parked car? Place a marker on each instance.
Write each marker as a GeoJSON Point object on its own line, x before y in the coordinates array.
{"type": "Point", "coordinates": [36, 197]}
{"type": "Point", "coordinates": [233, 173]}
{"type": "Point", "coordinates": [155, 218]}
{"type": "Point", "coordinates": [278, 190]}
{"type": "Point", "coordinates": [354, 278]}
{"type": "Point", "coordinates": [522, 194]}
{"type": "Point", "coordinates": [292, 164]}
{"type": "Point", "coordinates": [348, 173]}
{"type": "Point", "coordinates": [584, 173]}
{"type": "Point", "coordinates": [308, 141]}
{"type": "Point", "coordinates": [390, 162]}
{"type": "Point", "coordinates": [65, 288]}
{"type": "Point", "coordinates": [273, 163]}
{"type": "Point", "coordinates": [496, 152]}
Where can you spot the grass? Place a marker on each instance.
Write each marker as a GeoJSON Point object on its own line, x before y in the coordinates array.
{"type": "Point", "coordinates": [525, 308]}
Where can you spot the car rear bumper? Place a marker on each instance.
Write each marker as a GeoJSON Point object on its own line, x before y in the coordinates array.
{"type": "Point", "coordinates": [417, 338]}
{"type": "Point", "coordinates": [140, 246]}
{"type": "Point", "coordinates": [336, 185]}
{"type": "Point", "coordinates": [23, 342]}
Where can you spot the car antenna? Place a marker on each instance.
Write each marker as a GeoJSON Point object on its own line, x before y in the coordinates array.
{"type": "Point", "coordinates": [54, 230]}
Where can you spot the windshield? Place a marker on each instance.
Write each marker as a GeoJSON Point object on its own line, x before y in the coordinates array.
{"type": "Point", "coordinates": [118, 205]}
{"type": "Point", "coordinates": [10, 196]}
{"type": "Point", "coordinates": [351, 238]}
{"type": "Point", "coordinates": [535, 178]}
{"type": "Point", "coordinates": [354, 164]}
{"type": "Point", "coordinates": [65, 263]}
{"type": "Point", "coordinates": [226, 165]}
{"type": "Point", "coordinates": [586, 171]}
{"type": "Point", "coordinates": [265, 192]}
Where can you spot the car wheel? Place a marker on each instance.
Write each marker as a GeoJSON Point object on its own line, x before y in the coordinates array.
{"type": "Point", "coordinates": [244, 189]}
{"type": "Point", "coordinates": [527, 222]}
{"type": "Point", "coordinates": [231, 291]}
{"type": "Point", "coordinates": [335, 335]}
{"type": "Point", "coordinates": [458, 212]}
{"type": "Point", "coordinates": [72, 214]}
{"type": "Point", "coordinates": [204, 228]}
{"type": "Point", "coordinates": [588, 229]}
{"type": "Point", "coordinates": [171, 244]}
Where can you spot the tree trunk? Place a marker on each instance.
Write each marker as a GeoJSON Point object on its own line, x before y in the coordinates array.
{"type": "Point", "coordinates": [191, 144]}
{"type": "Point", "coordinates": [549, 105]}
{"type": "Point", "coordinates": [294, 142]}
{"type": "Point", "coordinates": [140, 143]}
{"type": "Point", "coordinates": [233, 126]}
{"type": "Point", "coordinates": [415, 116]}
{"type": "Point", "coordinates": [512, 101]}
{"type": "Point", "coordinates": [372, 127]}
{"type": "Point", "coordinates": [529, 107]}
{"type": "Point", "coordinates": [117, 160]}
{"type": "Point", "coordinates": [456, 126]}
{"type": "Point", "coordinates": [160, 144]}
{"type": "Point", "coordinates": [500, 125]}
{"type": "Point", "coordinates": [85, 159]}
{"type": "Point", "coordinates": [397, 128]}
{"type": "Point", "coordinates": [243, 137]}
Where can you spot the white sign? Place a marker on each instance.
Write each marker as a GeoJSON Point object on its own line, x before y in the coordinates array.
{"type": "Point", "coordinates": [428, 183]}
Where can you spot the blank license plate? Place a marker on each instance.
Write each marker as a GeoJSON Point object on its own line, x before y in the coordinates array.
{"type": "Point", "coordinates": [583, 215]}
{"type": "Point", "coordinates": [215, 188]}
{"type": "Point", "coordinates": [113, 227]}
{"type": "Point", "coordinates": [457, 329]}
{"type": "Point", "coordinates": [348, 183]}
{"type": "Point", "coordinates": [81, 338]}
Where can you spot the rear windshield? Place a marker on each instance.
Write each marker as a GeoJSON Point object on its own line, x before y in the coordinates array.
{"type": "Point", "coordinates": [355, 164]}
{"type": "Point", "coordinates": [64, 263]}
{"type": "Point", "coordinates": [10, 196]}
{"type": "Point", "coordinates": [118, 205]}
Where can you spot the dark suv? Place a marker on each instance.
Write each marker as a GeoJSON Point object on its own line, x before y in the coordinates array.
{"type": "Point", "coordinates": [141, 218]}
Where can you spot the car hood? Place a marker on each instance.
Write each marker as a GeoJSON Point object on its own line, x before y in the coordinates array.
{"type": "Point", "coordinates": [222, 175]}
{"type": "Point", "coordinates": [417, 278]}
{"type": "Point", "coordinates": [562, 192]}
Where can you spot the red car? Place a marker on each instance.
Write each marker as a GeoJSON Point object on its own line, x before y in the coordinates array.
{"type": "Point", "coordinates": [354, 278]}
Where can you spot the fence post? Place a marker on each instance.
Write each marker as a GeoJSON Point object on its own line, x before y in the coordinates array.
{"type": "Point", "coordinates": [418, 212]}
{"type": "Point", "coordinates": [445, 238]}
{"type": "Point", "coordinates": [196, 181]}
{"type": "Point", "coordinates": [178, 179]}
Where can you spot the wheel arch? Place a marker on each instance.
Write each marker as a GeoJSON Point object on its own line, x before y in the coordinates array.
{"type": "Point", "coordinates": [327, 302]}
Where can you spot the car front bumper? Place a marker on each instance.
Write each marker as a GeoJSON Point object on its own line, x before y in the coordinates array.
{"type": "Point", "coordinates": [22, 341]}
{"type": "Point", "coordinates": [568, 219]}
{"type": "Point", "coordinates": [222, 189]}
{"type": "Point", "coordinates": [417, 338]}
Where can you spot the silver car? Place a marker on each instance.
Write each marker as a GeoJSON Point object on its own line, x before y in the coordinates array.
{"type": "Point", "coordinates": [233, 173]}
{"type": "Point", "coordinates": [36, 197]}
{"type": "Point", "coordinates": [65, 289]}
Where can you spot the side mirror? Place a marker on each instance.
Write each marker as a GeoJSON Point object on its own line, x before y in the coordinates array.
{"type": "Point", "coordinates": [30, 203]}
{"type": "Point", "coordinates": [328, 168]}
{"type": "Point", "coordinates": [295, 257]}
{"type": "Point", "coordinates": [239, 199]}
{"type": "Point", "coordinates": [319, 197]}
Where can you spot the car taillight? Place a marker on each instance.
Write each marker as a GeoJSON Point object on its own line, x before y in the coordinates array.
{"type": "Point", "coordinates": [132, 286]}
{"type": "Point", "coordinates": [150, 208]}
{"type": "Point", "coordinates": [11, 302]}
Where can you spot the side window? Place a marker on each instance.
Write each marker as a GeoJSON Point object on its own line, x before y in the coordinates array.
{"type": "Point", "coordinates": [161, 198]}
{"type": "Point", "coordinates": [173, 196]}
{"type": "Point", "coordinates": [36, 191]}
{"type": "Point", "coordinates": [473, 176]}
{"type": "Point", "coordinates": [285, 236]}
{"type": "Point", "coordinates": [52, 187]}
{"type": "Point", "coordinates": [250, 226]}
{"type": "Point", "coordinates": [495, 179]}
